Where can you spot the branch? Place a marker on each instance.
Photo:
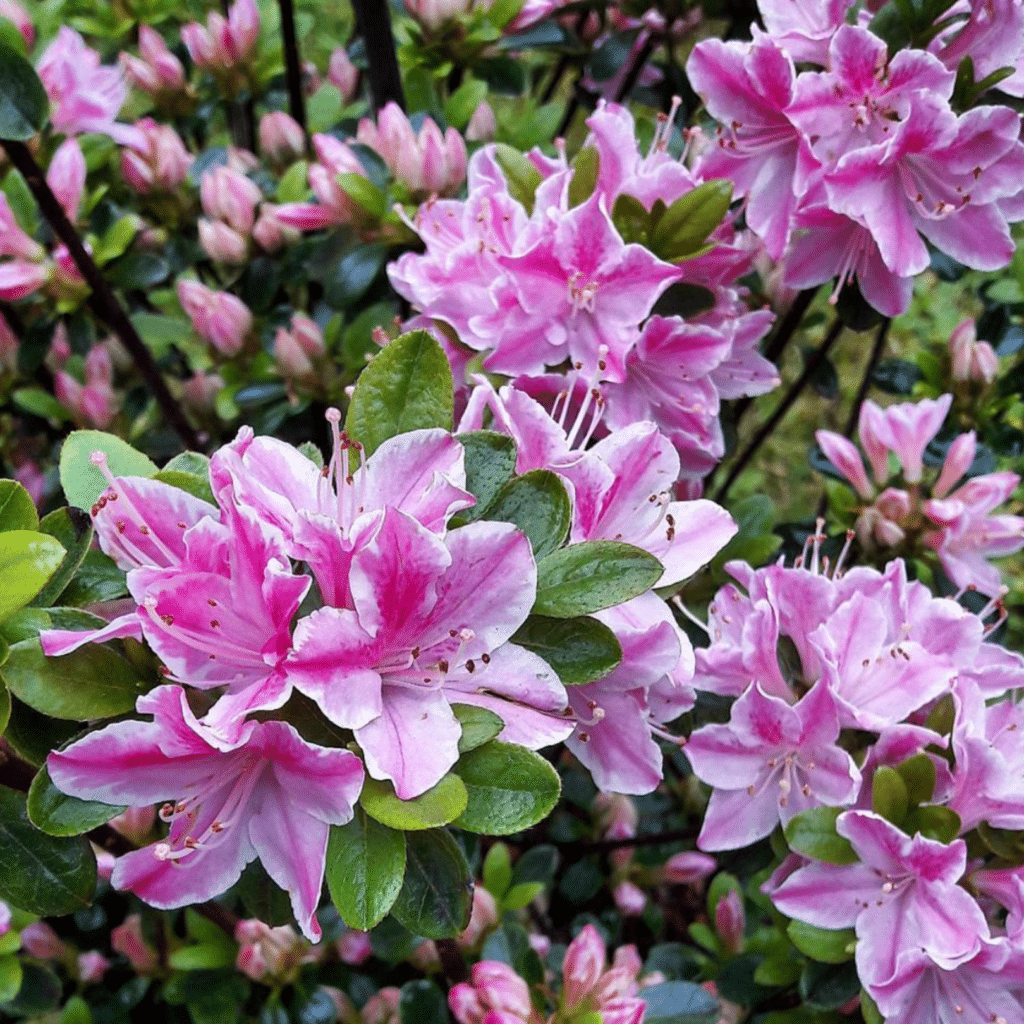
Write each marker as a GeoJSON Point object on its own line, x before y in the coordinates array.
{"type": "Point", "coordinates": [385, 80]}
{"type": "Point", "coordinates": [102, 300]}
{"type": "Point", "coordinates": [453, 963]}
{"type": "Point", "coordinates": [876, 353]}
{"type": "Point", "coordinates": [762, 435]}
{"type": "Point", "coordinates": [292, 63]}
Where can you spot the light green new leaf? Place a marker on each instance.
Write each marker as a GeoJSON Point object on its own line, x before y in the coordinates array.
{"type": "Point", "coordinates": [27, 560]}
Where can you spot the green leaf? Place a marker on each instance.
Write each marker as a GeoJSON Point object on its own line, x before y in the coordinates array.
{"type": "Point", "coordinates": [38, 402]}
{"type": "Point", "coordinates": [363, 193]}
{"type": "Point", "coordinates": [497, 871]}
{"type": "Point", "coordinates": [586, 577]}
{"type": "Point", "coordinates": [778, 971]}
{"type": "Point", "coordinates": [203, 957]}
{"type": "Point", "coordinates": [586, 167]}
{"type": "Point", "coordinates": [23, 101]}
{"type": "Point", "coordinates": [33, 735]}
{"type": "Point", "coordinates": [538, 503]}
{"type": "Point", "coordinates": [684, 226]}
{"type": "Point", "coordinates": [580, 650]}
{"type": "Point", "coordinates": [27, 560]}
{"type": "Point", "coordinates": [58, 814]}
{"type": "Point", "coordinates": [830, 947]}
{"type": "Point", "coordinates": [538, 864]}
{"type": "Point", "coordinates": [813, 833]}
{"type": "Point", "coordinates": [889, 795]}
{"type": "Point", "coordinates": [262, 897]}
{"type": "Point", "coordinates": [509, 787]}
{"type": "Point", "coordinates": [459, 107]}
{"type": "Point", "coordinates": [490, 462]}
{"type": "Point", "coordinates": [828, 986]}
{"type": "Point", "coordinates": [437, 894]}
{"type": "Point", "coordinates": [408, 386]}
{"type": "Point", "coordinates": [520, 896]}
{"type": "Point", "coordinates": [918, 775]}
{"type": "Point", "coordinates": [39, 992]}
{"type": "Point", "coordinates": [520, 174]}
{"type": "Point", "coordinates": [292, 186]}
{"type": "Point", "coordinates": [5, 702]}
{"type": "Point", "coordinates": [162, 333]}
{"type": "Point", "coordinates": [82, 481]}
{"type": "Point", "coordinates": [631, 219]}
{"type": "Point", "coordinates": [478, 726]}
{"type": "Point", "coordinates": [422, 1002]}
{"type": "Point", "coordinates": [98, 579]}
{"type": "Point", "coordinates": [17, 509]}
{"type": "Point", "coordinates": [939, 823]}
{"type": "Point", "coordinates": [76, 1011]}
{"type": "Point", "coordinates": [679, 1002]}
{"type": "Point", "coordinates": [365, 868]}
{"type": "Point", "coordinates": [42, 874]}
{"type": "Point", "coordinates": [116, 240]}
{"type": "Point", "coordinates": [72, 529]}
{"type": "Point", "coordinates": [10, 977]}
{"type": "Point", "coordinates": [92, 682]}
{"type": "Point", "coordinates": [197, 486]}
{"type": "Point", "coordinates": [510, 944]}
{"type": "Point", "coordinates": [440, 804]}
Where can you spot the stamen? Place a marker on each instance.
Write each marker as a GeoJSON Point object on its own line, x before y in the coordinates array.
{"type": "Point", "coordinates": [678, 602]}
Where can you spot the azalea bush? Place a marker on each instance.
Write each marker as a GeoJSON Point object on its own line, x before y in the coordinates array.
{"type": "Point", "coordinates": [508, 512]}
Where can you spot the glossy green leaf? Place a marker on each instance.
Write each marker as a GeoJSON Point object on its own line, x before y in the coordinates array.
{"type": "Point", "coordinates": [17, 509]}
{"type": "Point", "coordinates": [586, 577]}
{"type": "Point", "coordinates": [520, 174]}
{"type": "Point", "coordinates": [262, 897]}
{"type": "Point", "coordinates": [5, 703]}
{"type": "Point", "coordinates": [82, 481]}
{"type": "Point", "coordinates": [408, 386]}
{"type": "Point", "coordinates": [889, 795]}
{"type": "Point", "coordinates": [42, 874]}
{"type": "Point", "coordinates": [437, 894]}
{"type": "Point", "coordinates": [365, 868]}
{"type": "Point", "coordinates": [31, 735]}
{"type": "Point", "coordinates": [490, 462]}
{"type": "Point", "coordinates": [27, 561]}
{"type": "Point", "coordinates": [72, 529]}
{"type": "Point", "coordinates": [631, 219]}
{"type": "Point", "coordinates": [363, 193]}
{"type": "Point", "coordinates": [509, 788]}
{"type": "Point", "coordinates": [197, 486]}
{"type": "Point", "coordinates": [41, 403]}
{"type": "Point", "coordinates": [918, 775]}
{"type": "Point", "coordinates": [478, 726]}
{"type": "Point", "coordinates": [422, 1002]}
{"type": "Point", "coordinates": [580, 650]}
{"type": "Point", "coordinates": [830, 947]}
{"type": "Point", "coordinates": [679, 1002]}
{"type": "Point", "coordinates": [58, 814]}
{"type": "Point", "coordinates": [828, 986]}
{"type": "Point", "coordinates": [538, 503]}
{"type": "Point", "coordinates": [520, 896]}
{"type": "Point", "coordinates": [23, 101]}
{"type": "Point", "coordinates": [76, 1011]}
{"type": "Point", "coordinates": [586, 167]}
{"type": "Point", "coordinates": [939, 823]}
{"type": "Point", "coordinates": [497, 870]}
{"type": "Point", "coordinates": [93, 682]}
{"type": "Point", "coordinates": [440, 804]}
{"type": "Point", "coordinates": [98, 579]}
{"type": "Point", "coordinates": [204, 956]}
{"type": "Point", "coordinates": [684, 226]}
{"type": "Point", "coordinates": [813, 833]}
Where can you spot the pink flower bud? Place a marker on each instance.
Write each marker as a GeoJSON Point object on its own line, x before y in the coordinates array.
{"type": "Point", "coordinates": [8, 352]}
{"type": "Point", "coordinates": [105, 862]}
{"type": "Point", "coordinates": [92, 966]}
{"type": "Point", "coordinates": [354, 947]}
{"type": "Point", "coordinates": [688, 868]}
{"type": "Point", "coordinates": [127, 938]}
{"type": "Point", "coordinates": [251, 962]}
{"type": "Point", "coordinates": [465, 1004]}
{"type": "Point", "coordinates": [482, 126]}
{"type": "Point", "coordinates": [41, 941]}
{"type": "Point", "coordinates": [19, 278]}
{"type": "Point", "coordinates": [14, 241]}
{"type": "Point", "coordinates": [5, 918]}
{"type": "Point", "coordinates": [958, 460]}
{"type": "Point", "coordinates": [66, 176]}
{"type": "Point", "coordinates": [200, 391]}
{"type": "Point", "coordinates": [500, 988]}
{"type": "Point", "coordinates": [223, 244]}
{"type": "Point", "coordinates": [200, 45]}
{"type": "Point", "coordinates": [730, 920]}
{"type": "Point", "coordinates": [230, 196]}
{"type": "Point", "coordinates": [244, 28]}
{"type": "Point", "coordinates": [971, 360]}
{"type": "Point", "coordinates": [135, 823]}
{"type": "Point", "coordinates": [17, 15]}
{"type": "Point", "coordinates": [291, 360]}
{"type": "Point", "coordinates": [270, 232]}
{"type": "Point", "coordinates": [583, 965]}
{"type": "Point", "coordinates": [282, 139]}
{"type": "Point", "coordinates": [308, 335]}
{"type": "Point", "coordinates": [482, 919]}
{"type": "Point", "coordinates": [220, 318]}
{"type": "Point", "coordinates": [844, 455]}
{"type": "Point", "coordinates": [540, 944]}
{"type": "Point", "coordinates": [630, 899]}
{"type": "Point", "coordinates": [163, 163]}
{"type": "Point", "coordinates": [169, 70]}
{"type": "Point", "coordinates": [382, 1008]}
{"type": "Point", "coordinates": [432, 14]}
{"type": "Point", "coordinates": [342, 73]}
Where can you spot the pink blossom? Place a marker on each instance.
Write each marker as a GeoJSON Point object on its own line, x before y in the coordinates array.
{"type": "Point", "coordinates": [18, 16]}
{"type": "Point", "coordinates": [354, 947]}
{"type": "Point", "coordinates": [162, 163]}
{"type": "Point", "coordinates": [91, 966]}
{"type": "Point", "coordinates": [281, 137]}
{"type": "Point", "coordinates": [971, 359]}
{"type": "Point", "coordinates": [220, 318]}
{"type": "Point", "coordinates": [629, 898]}
{"type": "Point", "coordinates": [158, 71]}
{"type": "Point", "coordinates": [342, 73]}
{"type": "Point", "coordinates": [688, 868]}
{"type": "Point", "coordinates": [425, 162]}
{"type": "Point", "coordinates": [589, 986]}
{"type": "Point", "coordinates": [230, 196]}
{"type": "Point", "coordinates": [40, 940]}
{"type": "Point", "coordinates": [730, 921]}
{"type": "Point", "coordinates": [482, 125]}
{"type": "Point", "coordinates": [222, 243]}
{"type": "Point", "coordinates": [803, 28]}
{"type": "Point", "coordinates": [432, 14]}
{"type": "Point", "coordinates": [904, 429]}
{"type": "Point", "coordinates": [13, 240]}
{"type": "Point", "coordinates": [334, 205]}
{"type": "Point", "coordinates": [225, 43]}
{"type": "Point", "coordinates": [86, 96]}
{"type": "Point", "coordinates": [127, 938]}
{"type": "Point", "coordinates": [272, 796]}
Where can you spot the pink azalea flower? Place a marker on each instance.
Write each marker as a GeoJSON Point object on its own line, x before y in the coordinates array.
{"type": "Point", "coordinates": [902, 898]}
{"type": "Point", "coordinates": [904, 429]}
{"type": "Point", "coordinates": [428, 628]}
{"type": "Point", "coordinates": [162, 163]}
{"type": "Point", "coordinates": [220, 318]}
{"type": "Point", "coordinates": [769, 763]}
{"type": "Point", "coordinates": [86, 96]}
{"type": "Point", "coordinates": [272, 795]}
{"type": "Point", "coordinates": [158, 71]}
{"type": "Point", "coordinates": [225, 43]}
{"type": "Point", "coordinates": [803, 28]}
{"type": "Point", "coordinates": [334, 206]}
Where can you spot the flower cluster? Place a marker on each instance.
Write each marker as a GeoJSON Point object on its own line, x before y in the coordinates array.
{"type": "Point", "coordinates": [952, 515]}
{"type": "Point", "coordinates": [849, 159]}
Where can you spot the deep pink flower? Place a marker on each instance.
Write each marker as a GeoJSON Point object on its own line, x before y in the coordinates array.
{"type": "Point", "coordinates": [272, 795]}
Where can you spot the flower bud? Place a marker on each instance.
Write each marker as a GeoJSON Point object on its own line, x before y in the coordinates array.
{"type": "Point", "coordinates": [162, 164]}
{"type": "Point", "coordinates": [844, 455]}
{"type": "Point", "coordinates": [959, 459]}
{"type": "Point", "coordinates": [687, 868]}
{"type": "Point", "coordinates": [342, 73]}
{"type": "Point", "coordinates": [220, 318]}
{"type": "Point", "coordinates": [127, 938]}
{"type": "Point", "coordinates": [66, 176]}
{"type": "Point", "coordinates": [482, 126]}
{"type": "Point", "coordinates": [18, 17]}
{"type": "Point", "coordinates": [354, 947]}
{"type": "Point", "coordinates": [200, 391]}
{"type": "Point", "coordinates": [500, 988]}
{"type": "Point", "coordinates": [222, 243]}
{"type": "Point", "coordinates": [382, 1008]}
{"type": "Point", "coordinates": [135, 823]}
{"type": "Point", "coordinates": [730, 921]}
{"type": "Point", "coordinates": [291, 360]}
{"type": "Point", "coordinates": [282, 139]}
{"type": "Point", "coordinates": [270, 232]}
{"type": "Point", "coordinates": [432, 14]}
{"type": "Point", "coordinates": [41, 941]}
{"type": "Point", "coordinates": [230, 196]}
{"type": "Point", "coordinates": [583, 965]}
{"type": "Point", "coordinates": [630, 899]}
{"type": "Point", "coordinates": [5, 918]}
{"type": "Point", "coordinates": [169, 70]}
{"type": "Point", "coordinates": [91, 966]}
{"type": "Point", "coordinates": [971, 360]}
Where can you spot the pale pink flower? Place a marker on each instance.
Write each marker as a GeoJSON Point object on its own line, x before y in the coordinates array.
{"type": "Point", "coordinates": [342, 73]}
{"type": "Point", "coordinates": [803, 28]}
{"type": "Point", "coordinates": [158, 71]}
{"type": "Point", "coordinates": [971, 359]}
{"type": "Point", "coordinates": [425, 162]}
{"type": "Point", "coordinates": [272, 795]}
{"type": "Point", "coordinates": [482, 125]}
{"type": "Point", "coordinates": [282, 139]}
{"type": "Point", "coordinates": [86, 96]}
{"type": "Point", "coordinates": [220, 318]}
{"type": "Point", "coordinates": [230, 196]}
{"type": "Point", "coordinates": [629, 898]}
{"type": "Point", "coordinates": [903, 429]}
{"type": "Point", "coordinates": [225, 43]}
{"type": "Point", "coordinates": [161, 164]}
{"type": "Point", "coordinates": [334, 205]}
{"type": "Point", "coordinates": [13, 240]}
{"type": "Point", "coordinates": [91, 966]}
